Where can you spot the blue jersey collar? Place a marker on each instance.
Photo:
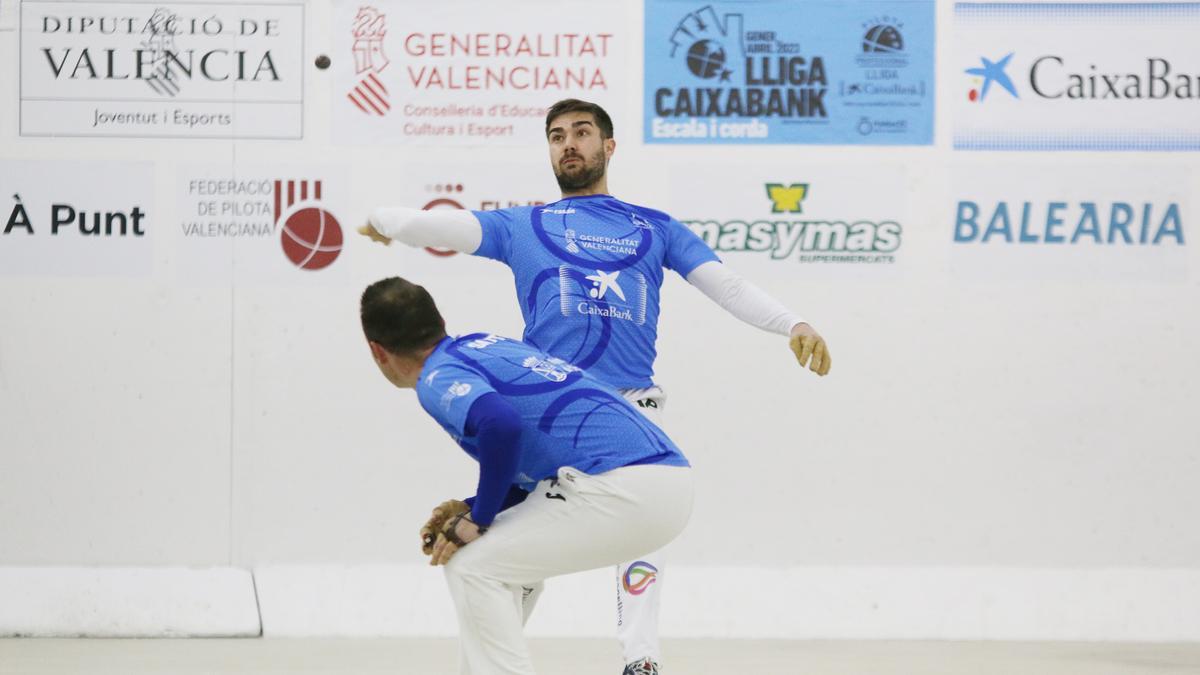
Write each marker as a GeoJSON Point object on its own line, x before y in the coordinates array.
{"type": "Point", "coordinates": [438, 351]}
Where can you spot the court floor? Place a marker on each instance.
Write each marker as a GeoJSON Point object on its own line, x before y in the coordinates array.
{"type": "Point", "coordinates": [325, 656]}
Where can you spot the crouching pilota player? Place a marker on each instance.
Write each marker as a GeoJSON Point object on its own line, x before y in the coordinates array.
{"type": "Point", "coordinates": [571, 476]}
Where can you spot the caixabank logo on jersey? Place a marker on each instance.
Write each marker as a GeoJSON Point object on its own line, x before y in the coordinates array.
{"type": "Point", "coordinates": [76, 218]}
{"type": "Point", "coordinates": [611, 294]}
{"type": "Point", "coordinates": [786, 72]}
{"type": "Point", "coordinates": [1087, 76]}
{"type": "Point", "coordinates": [782, 230]}
{"type": "Point", "coordinates": [192, 70]}
{"type": "Point", "coordinates": [273, 217]}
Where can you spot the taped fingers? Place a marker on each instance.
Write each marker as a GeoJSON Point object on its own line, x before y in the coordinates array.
{"type": "Point", "coordinates": [370, 232]}
{"type": "Point", "coordinates": [807, 343]}
{"type": "Point", "coordinates": [796, 345]}
{"type": "Point", "coordinates": [811, 352]}
{"type": "Point", "coordinates": [817, 364]}
{"type": "Point", "coordinates": [443, 550]}
{"type": "Point", "coordinates": [441, 513]}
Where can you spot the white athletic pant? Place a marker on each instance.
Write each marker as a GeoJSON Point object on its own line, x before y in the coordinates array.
{"type": "Point", "coordinates": [639, 581]}
{"type": "Point", "coordinates": [569, 524]}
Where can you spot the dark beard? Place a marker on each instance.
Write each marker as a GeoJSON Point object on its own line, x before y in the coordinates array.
{"type": "Point", "coordinates": [592, 172]}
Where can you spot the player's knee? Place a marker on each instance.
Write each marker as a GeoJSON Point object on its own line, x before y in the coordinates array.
{"type": "Point", "coordinates": [463, 565]}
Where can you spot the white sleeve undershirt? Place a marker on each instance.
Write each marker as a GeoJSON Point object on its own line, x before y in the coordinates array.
{"type": "Point", "coordinates": [454, 229]}
{"type": "Point", "coordinates": [742, 298]}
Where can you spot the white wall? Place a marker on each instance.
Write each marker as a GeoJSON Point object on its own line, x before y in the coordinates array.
{"type": "Point", "coordinates": [1015, 424]}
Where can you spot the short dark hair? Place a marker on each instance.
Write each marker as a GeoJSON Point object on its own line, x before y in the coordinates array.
{"type": "Point", "coordinates": [570, 105]}
{"type": "Point", "coordinates": [401, 316]}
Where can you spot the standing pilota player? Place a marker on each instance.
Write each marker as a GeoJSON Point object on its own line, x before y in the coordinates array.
{"type": "Point", "coordinates": [583, 480]}
{"type": "Point", "coordinates": [588, 271]}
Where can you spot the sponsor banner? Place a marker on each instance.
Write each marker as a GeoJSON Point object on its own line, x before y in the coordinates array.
{"type": "Point", "coordinates": [473, 186]}
{"type": "Point", "coordinates": [468, 73]}
{"type": "Point", "coordinates": [1028, 222]}
{"type": "Point", "coordinates": [775, 216]}
{"type": "Point", "coordinates": [260, 223]}
{"type": "Point", "coordinates": [1081, 76]}
{"type": "Point", "coordinates": [811, 72]}
{"type": "Point", "coordinates": [183, 70]}
{"type": "Point", "coordinates": [77, 218]}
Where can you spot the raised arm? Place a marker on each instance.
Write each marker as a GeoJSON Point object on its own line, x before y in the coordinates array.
{"type": "Point", "coordinates": [441, 228]}
{"type": "Point", "coordinates": [752, 305]}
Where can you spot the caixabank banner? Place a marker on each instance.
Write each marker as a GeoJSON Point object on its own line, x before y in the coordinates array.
{"type": "Point", "coordinates": [814, 72]}
{"type": "Point", "coordinates": [1029, 223]}
{"type": "Point", "coordinates": [1076, 76]}
{"type": "Point", "coordinates": [468, 73]}
{"type": "Point", "coordinates": [181, 70]}
{"type": "Point", "coordinates": [64, 219]}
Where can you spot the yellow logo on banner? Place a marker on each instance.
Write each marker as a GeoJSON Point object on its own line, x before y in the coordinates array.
{"type": "Point", "coordinates": [787, 198]}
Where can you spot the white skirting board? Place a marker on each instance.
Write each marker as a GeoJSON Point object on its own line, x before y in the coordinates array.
{"type": "Point", "coordinates": [955, 603]}
{"type": "Point", "coordinates": [127, 602]}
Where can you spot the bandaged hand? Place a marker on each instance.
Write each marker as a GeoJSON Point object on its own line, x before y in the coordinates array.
{"type": "Point", "coordinates": [810, 350]}
{"type": "Point", "coordinates": [455, 534]}
{"type": "Point", "coordinates": [432, 529]}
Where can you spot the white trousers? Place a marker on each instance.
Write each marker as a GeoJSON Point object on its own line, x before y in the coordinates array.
{"type": "Point", "coordinates": [639, 582]}
{"type": "Point", "coordinates": [569, 524]}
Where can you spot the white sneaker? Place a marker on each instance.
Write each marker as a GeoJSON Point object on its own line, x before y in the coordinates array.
{"type": "Point", "coordinates": [646, 666]}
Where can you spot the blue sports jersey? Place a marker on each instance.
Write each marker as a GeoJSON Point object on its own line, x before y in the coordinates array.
{"type": "Point", "coordinates": [588, 272]}
{"type": "Point", "coordinates": [568, 417]}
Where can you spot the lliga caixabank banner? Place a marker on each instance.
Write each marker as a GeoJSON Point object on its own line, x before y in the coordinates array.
{"type": "Point", "coordinates": [1028, 222]}
{"type": "Point", "coordinates": [77, 218]}
{"type": "Point", "coordinates": [469, 72]}
{"type": "Point", "coordinates": [774, 71]}
{"type": "Point", "coordinates": [1076, 76]}
{"type": "Point", "coordinates": [188, 70]}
